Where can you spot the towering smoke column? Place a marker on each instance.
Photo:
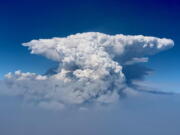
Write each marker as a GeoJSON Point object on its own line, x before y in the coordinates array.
{"type": "Point", "coordinates": [93, 68]}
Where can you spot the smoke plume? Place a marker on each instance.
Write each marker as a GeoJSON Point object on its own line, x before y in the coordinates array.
{"type": "Point", "coordinates": [93, 68]}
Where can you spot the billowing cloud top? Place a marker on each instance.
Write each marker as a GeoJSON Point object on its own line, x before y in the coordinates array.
{"type": "Point", "coordinates": [92, 68]}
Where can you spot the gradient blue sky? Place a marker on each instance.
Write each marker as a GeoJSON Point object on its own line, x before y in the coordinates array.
{"type": "Point", "coordinates": [24, 20]}
{"type": "Point", "coordinates": [145, 114]}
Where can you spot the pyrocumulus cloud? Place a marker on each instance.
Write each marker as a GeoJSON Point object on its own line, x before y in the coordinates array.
{"type": "Point", "coordinates": [93, 68]}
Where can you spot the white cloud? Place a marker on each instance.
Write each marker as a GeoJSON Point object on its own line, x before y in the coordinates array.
{"type": "Point", "coordinates": [136, 60]}
{"type": "Point", "coordinates": [90, 68]}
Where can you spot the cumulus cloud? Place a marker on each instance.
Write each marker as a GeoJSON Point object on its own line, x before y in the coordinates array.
{"type": "Point", "coordinates": [93, 68]}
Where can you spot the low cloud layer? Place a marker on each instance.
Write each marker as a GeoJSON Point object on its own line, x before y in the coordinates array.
{"type": "Point", "coordinates": [93, 68]}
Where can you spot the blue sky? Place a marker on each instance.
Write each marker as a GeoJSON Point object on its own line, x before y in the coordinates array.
{"type": "Point", "coordinates": [24, 20]}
